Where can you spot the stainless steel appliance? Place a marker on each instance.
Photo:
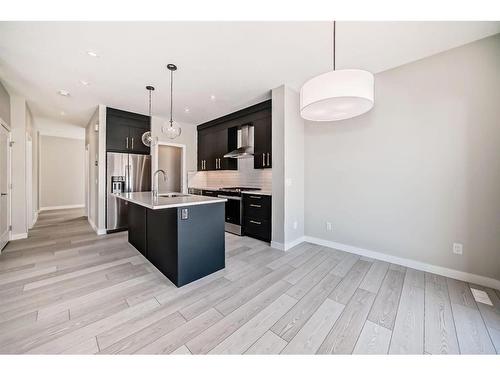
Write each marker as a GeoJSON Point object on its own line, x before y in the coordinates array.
{"type": "Point", "coordinates": [234, 205]}
{"type": "Point", "coordinates": [245, 143]}
{"type": "Point", "coordinates": [234, 208]}
{"type": "Point", "coordinates": [125, 173]}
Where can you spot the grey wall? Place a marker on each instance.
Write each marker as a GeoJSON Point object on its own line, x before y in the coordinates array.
{"type": "Point", "coordinates": [422, 169]}
{"type": "Point", "coordinates": [278, 177]}
{"type": "Point", "coordinates": [294, 168]}
{"type": "Point", "coordinates": [288, 169]}
{"type": "Point", "coordinates": [62, 163]}
{"type": "Point", "coordinates": [4, 104]}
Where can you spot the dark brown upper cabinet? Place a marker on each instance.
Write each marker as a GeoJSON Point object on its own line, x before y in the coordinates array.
{"type": "Point", "coordinates": [124, 131]}
{"type": "Point", "coordinates": [213, 144]}
{"type": "Point", "coordinates": [263, 154]}
{"type": "Point", "coordinates": [220, 136]}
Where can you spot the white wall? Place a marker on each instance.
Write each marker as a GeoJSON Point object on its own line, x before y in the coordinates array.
{"type": "Point", "coordinates": [62, 172]}
{"type": "Point", "coordinates": [188, 138]}
{"type": "Point", "coordinates": [421, 170]}
{"type": "Point", "coordinates": [278, 178]}
{"type": "Point", "coordinates": [4, 104]}
{"type": "Point", "coordinates": [288, 169]}
{"type": "Point", "coordinates": [31, 170]}
{"type": "Point", "coordinates": [55, 128]}
{"type": "Point", "coordinates": [18, 197]}
{"type": "Point", "coordinates": [92, 144]}
{"type": "Point", "coordinates": [44, 196]}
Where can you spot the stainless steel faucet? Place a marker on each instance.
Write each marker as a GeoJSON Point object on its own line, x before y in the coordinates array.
{"type": "Point", "coordinates": [155, 190]}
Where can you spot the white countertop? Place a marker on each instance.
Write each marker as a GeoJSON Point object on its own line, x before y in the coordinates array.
{"type": "Point", "coordinates": [145, 199]}
{"type": "Point", "coordinates": [216, 188]}
{"type": "Point", "coordinates": [257, 192]}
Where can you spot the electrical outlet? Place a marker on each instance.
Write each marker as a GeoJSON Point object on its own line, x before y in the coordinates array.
{"type": "Point", "coordinates": [329, 226]}
{"type": "Point", "coordinates": [295, 224]}
{"type": "Point", "coordinates": [458, 248]}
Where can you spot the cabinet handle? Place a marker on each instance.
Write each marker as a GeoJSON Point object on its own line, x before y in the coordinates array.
{"type": "Point", "coordinates": [216, 163]}
{"type": "Point", "coordinates": [132, 143]}
{"type": "Point", "coordinates": [255, 222]}
{"type": "Point", "coordinates": [255, 205]}
{"type": "Point", "coordinates": [263, 160]}
{"type": "Point", "coordinates": [204, 165]}
{"type": "Point", "coordinates": [268, 164]}
{"type": "Point", "coordinates": [254, 197]}
{"type": "Point", "coordinates": [127, 142]}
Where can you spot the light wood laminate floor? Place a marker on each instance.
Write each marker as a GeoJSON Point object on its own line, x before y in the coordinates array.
{"type": "Point", "coordinates": [66, 290]}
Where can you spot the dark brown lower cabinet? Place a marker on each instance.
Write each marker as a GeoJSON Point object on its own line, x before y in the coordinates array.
{"type": "Point", "coordinates": [257, 216]}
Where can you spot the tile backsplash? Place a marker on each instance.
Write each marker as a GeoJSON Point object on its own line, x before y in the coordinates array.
{"type": "Point", "coordinates": [246, 176]}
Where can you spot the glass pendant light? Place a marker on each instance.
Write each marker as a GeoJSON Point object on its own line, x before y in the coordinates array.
{"type": "Point", "coordinates": [172, 130]}
{"type": "Point", "coordinates": [147, 138]}
{"type": "Point", "coordinates": [337, 95]}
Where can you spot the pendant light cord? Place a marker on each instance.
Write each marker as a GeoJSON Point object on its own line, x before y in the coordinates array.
{"type": "Point", "coordinates": [149, 103]}
{"type": "Point", "coordinates": [171, 95]}
{"type": "Point", "coordinates": [334, 26]}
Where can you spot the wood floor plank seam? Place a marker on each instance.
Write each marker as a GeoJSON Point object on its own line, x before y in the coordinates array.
{"type": "Point", "coordinates": [132, 308]}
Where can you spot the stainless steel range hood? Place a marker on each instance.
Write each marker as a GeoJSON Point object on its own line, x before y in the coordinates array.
{"type": "Point", "coordinates": [245, 143]}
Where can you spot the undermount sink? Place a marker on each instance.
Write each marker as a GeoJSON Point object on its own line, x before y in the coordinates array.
{"type": "Point", "coordinates": [172, 195]}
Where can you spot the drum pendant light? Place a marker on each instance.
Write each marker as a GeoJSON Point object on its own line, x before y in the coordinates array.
{"type": "Point", "coordinates": [172, 130]}
{"type": "Point", "coordinates": [337, 95]}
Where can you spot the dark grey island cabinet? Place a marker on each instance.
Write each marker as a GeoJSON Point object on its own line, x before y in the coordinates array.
{"type": "Point", "coordinates": [185, 243]}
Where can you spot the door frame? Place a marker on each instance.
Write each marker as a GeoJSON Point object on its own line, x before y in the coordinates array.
{"type": "Point", "coordinates": [29, 181]}
{"type": "Point", "coordinates": [87, 180]}
{"type": "Point", "coordinates": [3, 124]}
{"type": "Point", "coordinates": [154, 162]}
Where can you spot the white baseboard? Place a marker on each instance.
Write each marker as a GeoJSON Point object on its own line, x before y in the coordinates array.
{"type": "Point", "coordinates": [421, 266]}
{"type": "Point", "coordinates": [50, 208]}
{"type": "Point", "coordinates": [94, 227]}
{"type": "Point", "coordinates": [18, 236]}
{"type": "Point", "coordinates": [287, 246]}
{"type": "Point", "coordinates": [277, 245]}
{"type": "Point", "coordinates": [35, 218]}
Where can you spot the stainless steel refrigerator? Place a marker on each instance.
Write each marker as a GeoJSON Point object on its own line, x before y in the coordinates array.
{"type": "Point", "coordinates": [125, 173]}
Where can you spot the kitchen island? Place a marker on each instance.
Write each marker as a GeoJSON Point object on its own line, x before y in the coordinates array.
{"type": "Point", "coordinates": [181, 235]}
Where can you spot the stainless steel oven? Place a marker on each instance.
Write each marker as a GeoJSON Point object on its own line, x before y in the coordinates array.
{"type": "Point", "coordinates": [234, 213]}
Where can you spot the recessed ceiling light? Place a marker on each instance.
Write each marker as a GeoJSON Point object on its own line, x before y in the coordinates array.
{"type": "Point", "coordinates": [63, 92]}
{"type": "Point", "coordinates": [186, 110]}
{"type": "Point", "coordinates": [92, 53]}
{"type": "Point", "coordinates": [212, 97]}
{"type": "Point", "coordinates": [84, 83]}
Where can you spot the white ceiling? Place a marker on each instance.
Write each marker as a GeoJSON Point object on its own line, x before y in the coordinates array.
{"type": "Point", "coordinates": [238, 62]}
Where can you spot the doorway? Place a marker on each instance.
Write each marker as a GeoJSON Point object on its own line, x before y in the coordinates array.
{"type": "Point", "coordinates": [170, 157]}
{"type": "Point", "coordinates": [4, 186]}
